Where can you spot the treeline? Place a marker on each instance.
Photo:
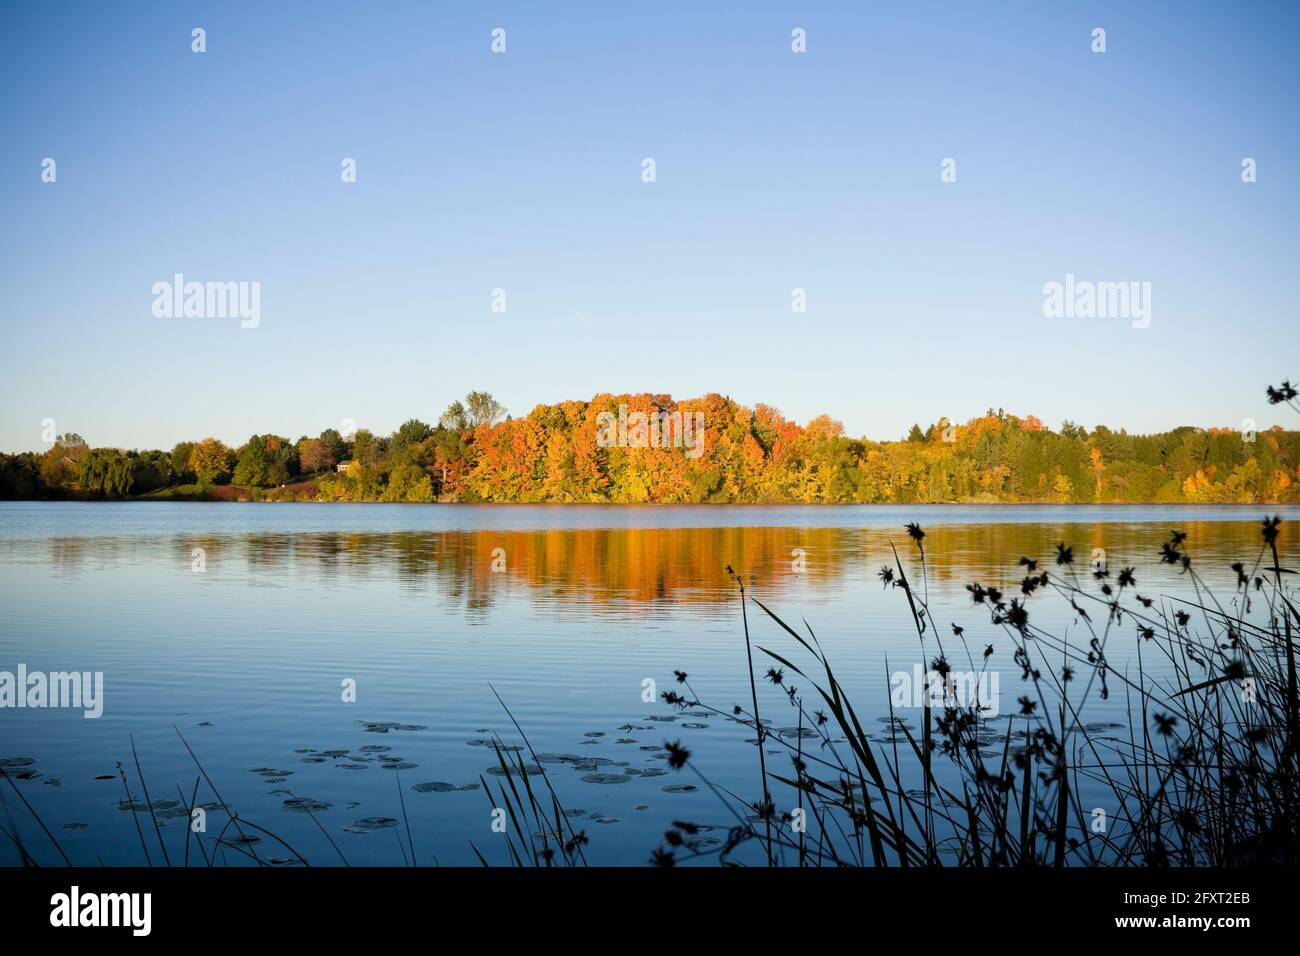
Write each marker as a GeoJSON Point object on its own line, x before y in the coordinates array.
{"type": "Point", "coordinates": [567, 453]}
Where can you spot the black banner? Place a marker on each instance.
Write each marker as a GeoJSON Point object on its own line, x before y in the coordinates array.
{"type": "Point", "coordinates": [335, 905]}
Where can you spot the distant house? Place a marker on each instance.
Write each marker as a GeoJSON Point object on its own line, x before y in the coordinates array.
{"type": "Point", "coordinates": [342, 466]}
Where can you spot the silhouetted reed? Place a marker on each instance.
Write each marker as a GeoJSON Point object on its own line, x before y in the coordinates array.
{"type": "Point", "coordinates": [1206, 777]}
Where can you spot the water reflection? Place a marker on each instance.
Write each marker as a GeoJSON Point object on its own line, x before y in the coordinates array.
{"type": "Point", "coordinates": [247, 656]}
{"type": "Point", "coordinates": [603, 568]}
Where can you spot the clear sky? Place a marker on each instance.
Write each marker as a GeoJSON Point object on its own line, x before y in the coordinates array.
{"type": "Point", "coordinates": [522, 171]}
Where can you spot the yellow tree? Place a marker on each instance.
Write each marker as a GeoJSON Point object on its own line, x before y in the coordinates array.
{"type": "Point", "coordinates": [211, 461]}
{"type": "Point", "coordinates": [1097, 466]}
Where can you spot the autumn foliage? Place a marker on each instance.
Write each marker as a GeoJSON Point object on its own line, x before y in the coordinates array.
{"type": "Point", "coordinates": [756, 455]}
{"type": "Point", "coordinates": [556, 454]}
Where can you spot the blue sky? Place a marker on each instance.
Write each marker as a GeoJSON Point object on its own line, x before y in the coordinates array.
{"type": "Point", "coordinates": [522, 171]}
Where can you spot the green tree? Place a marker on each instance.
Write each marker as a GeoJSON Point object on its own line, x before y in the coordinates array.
{"type": "Point", "coordinates": [181, 470]}
{"type": "Point", "coordinates": [480, 408]}
{"type": "Point", "coordinates": [334, 444]}
{"type": "Point", "coordinates": [366, 448]}
{"type": "Point", "coordinates": [254, 465]}
{"type": "Point", "coordinates": [106, 473]}
{"type": "Point", "coordinates": [151, 470]}
{"type": "Point", "coordinates": [455, 418]}
{"type": "Point", "coordinates": [412, 432]}
{"type": "Point", "coordinates": [20, 476]}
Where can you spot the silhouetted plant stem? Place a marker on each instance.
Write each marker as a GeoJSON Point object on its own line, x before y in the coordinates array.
{"type": "Point", "coordinates": [37, 817]}
{"type": "Point", "coordinates": [149, 802]}
{"type": "Point", "coordinates": [765, 808]}
{"type": "Point", "coordinates": [130, 805]}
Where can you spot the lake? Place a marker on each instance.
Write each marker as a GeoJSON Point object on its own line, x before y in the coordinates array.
{"type": "Point", "coordinates": [240, 624]}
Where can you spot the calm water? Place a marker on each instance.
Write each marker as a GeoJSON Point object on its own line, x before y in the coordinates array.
{"type": "Point", "coordinates": [247, 655]}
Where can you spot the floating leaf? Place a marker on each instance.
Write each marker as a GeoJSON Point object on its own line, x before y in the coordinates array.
{"type": "Point", "coordinates": [306, 805]}
{"type": "Point", "coordinates": [366, 824]}
{"type": "Point", "coordinates": [606, 778]}
{"type": "Point", "coordinates": [531, 770]}
{"type": "Point", "coordinates": [441, 786]}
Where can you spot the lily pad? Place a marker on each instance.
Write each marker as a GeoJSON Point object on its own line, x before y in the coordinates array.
{"type": "Point", "coordinates": [441, 786]}
{"type": "Point", "coordinates": [559, 758]}
{"type": "Point", "coordinates": [141, 806]}
{"type": "Point", "coordinates": [701, 843]}
{"type": "Point", "coordinates": [531, 770]}
{"type": "Point", "coordinates": [592, 763]}
{"type": "Point", "coordinates": [306, 805]}
{"type": "Point", "coordinates": [236, 840]}
{"type": "Point", "coordinates": [366, 824]}
{"type": "Point", "coordinates": [384, 726]}
{"type": "Point", "coordinates": [606, 778]}
{"type": "Point", "coordinates": [802, 732]}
